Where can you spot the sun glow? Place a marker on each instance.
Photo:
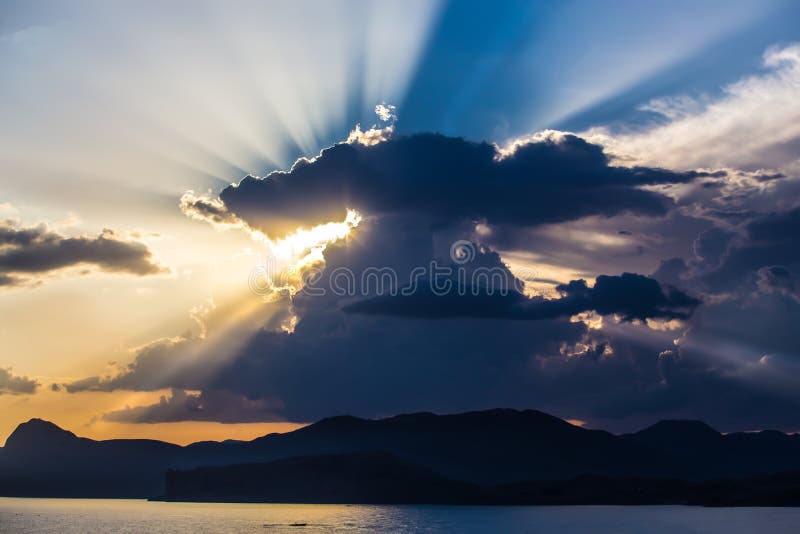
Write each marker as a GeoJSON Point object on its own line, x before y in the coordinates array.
{"type": "Point", "coordinates": [304, 242]}
{"type": "Point", "coordinates": [289, 259]}
{"type": "Point", "coordinates": [283, 262]}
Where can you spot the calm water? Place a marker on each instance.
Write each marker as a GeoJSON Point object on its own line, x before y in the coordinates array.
{"type": "Point", "coordinates": [76, 515]}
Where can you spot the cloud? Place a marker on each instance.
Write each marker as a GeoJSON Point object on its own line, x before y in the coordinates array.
{"type": "Point", "coordinates": [38, 250]}
{"type": "Point", "coordinates": [209, 209]}
{"type": "Point", "coordinates": [779, 279]}
{"type": "Point", "coordinates": [371, 136]}
{"type": "Point", "coordinates": [161, 364]}
{"type": "Point", "coordinates": [386, 112]}
{"type": "Point", "coordinates": [631, 296]}
{"type": "Point", "coordinates": [549, 179]}
{"type": "Point", "coordinates": [16, 385]}
{"type": "Point", "coordinates": [747, 268]}
{"type": "Point", "coordinates": [189, 360]}
{"type": "Point", "coordinates": [10, 281]}
{"type": "Point", "coordinates": [687, 382]}
{"type": "Point", "coordinates": [763, 241]}
{"type": "Point", "coordinates": [754, 123]}
{"type": "Point", "coordinates": [328, 366]}
{"type": "Point", "coordinates": [209, 405]}
{"type": "Point", "coordinates": [368, 365]}
{"type": "Point", "coordinates": [551, 202]}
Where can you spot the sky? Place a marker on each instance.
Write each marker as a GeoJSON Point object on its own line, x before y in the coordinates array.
{"type": "Point", "coordinates": [222, 220]}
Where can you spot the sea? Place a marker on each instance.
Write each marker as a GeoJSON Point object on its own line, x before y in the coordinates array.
{"type": "Point", "coordinates": [135, 516]}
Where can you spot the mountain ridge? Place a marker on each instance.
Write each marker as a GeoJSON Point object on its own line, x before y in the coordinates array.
{"type": "Point", "coordinates": [499, 446]}
{"type": "Point", "coordinates": [382, 478]}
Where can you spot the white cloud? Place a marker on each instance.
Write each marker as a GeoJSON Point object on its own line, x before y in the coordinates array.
{"type": "Point", "coordinates": [755, 123]}
{"type": "Point", "coordinates": [386, 112]}
{"type": "Point", "coordinates": [370, 137]}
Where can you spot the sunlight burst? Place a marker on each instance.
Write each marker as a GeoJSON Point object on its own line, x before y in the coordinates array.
{"type": "Point", "coordinates": [297, 246]}
{"type": "Point", "coordinates": [289, 258]}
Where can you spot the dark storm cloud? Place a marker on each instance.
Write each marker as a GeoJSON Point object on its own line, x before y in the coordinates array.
{"type": "Point", "coordinates": [750, 274]}
{"type": "Point", "coordinates": [163, 364]}
{"type": "Point", "coordinates": [185, 362]}
{"type": "Point", "coordinates": [10, 234]}
{"type": "Point", "coordinates": [370, 365]}
{"type": "Point", "coordinates": [34, 250]}
{"type": "Point", "coordinates": [711, 245]}
{"type": "Point", "coordinates": [648, 377]}
{"type": "Point", "coordinates": [206, 209]}
{"type": "Point", "coordinates": [209, 405]}
{"type": "Point", "coordinates": [670, 271]}
{"type": "Point", "coordinates": [419, 194]}
{"type": "Point", "coordinates": [766, 241]}
{"type": "Point", "coordinates": [8, 281]}
{"type": "Point", "coordinates": [450, 179]}
{"type": "Point", "coordinates": [775, 228]}
{"type": "Point", "coordinates": [631, 296]}
{"type": "Point", "coordinates": [334, 363]}
{"type": "Point", "coordinates": [779, 279]}
{"type": "Point", "coordinates": [14, 385]}
{"type": "Point", "coordinates": [92, 383]}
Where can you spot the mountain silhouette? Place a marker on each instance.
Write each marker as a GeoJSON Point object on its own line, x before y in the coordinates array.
{"type": "Point", "coordinates": [700, 452]}
{"type": "Point", "coordinates": [381, 478]}
{"type": "Point", "coordinates": [37, 431]}
{"type": "Point", "coordinates": [487, 449]}
{"type": "Point", "coordinates": [364, 478]}
{"type": "Point", "coordinates": [41, 459]}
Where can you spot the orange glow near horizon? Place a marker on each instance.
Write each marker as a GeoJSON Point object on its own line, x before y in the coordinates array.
{"type": "Point", "coordinates": [576, 422]}
{"type": "Point", "coordinates": [80, 413]}
{"type": "Point", "coordinates": [185, 432]}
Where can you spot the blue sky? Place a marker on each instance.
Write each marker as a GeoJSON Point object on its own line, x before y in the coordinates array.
{"type": "Point", "coordinates": [503, 70]}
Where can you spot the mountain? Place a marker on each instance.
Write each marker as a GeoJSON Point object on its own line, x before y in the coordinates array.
{"type": "Point", "coordinates": [493, 446]}
{"type": "Point", "coordinates": [488, 448]}
{"type": "Point", "coordinates": [701, 452]}
{"type": "Point", "coordinates": [381, 478]}
{"type": "Point", "coordinates": [41, 459]}
{"type": "Point", "coordinates": [364, 478]}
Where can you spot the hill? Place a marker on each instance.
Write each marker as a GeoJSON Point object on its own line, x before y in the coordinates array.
{"type": "Point", "coordinates": [486, 448]}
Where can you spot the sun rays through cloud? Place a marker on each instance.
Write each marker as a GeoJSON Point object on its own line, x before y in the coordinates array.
{"type": "Point", "coordinates": [282, 260]}
{"type": "Point", "coordinates": [283, 269]}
